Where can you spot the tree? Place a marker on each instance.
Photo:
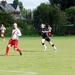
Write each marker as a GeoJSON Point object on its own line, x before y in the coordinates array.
{"type": "Point", "coordinates": [15, 1]}
{"type": "Point", "coordinates": [71, 14]}
{"type": "Point", "coordinates": [20, 5]}
{"type": "Point", "coordinates": [47, 14]}
{"type": "Point", "coordinates": [54, 16]}
{"type": "Point", "coordinates": [41, 13]}
{"type": "Point", "coordinates": [6, 19]}
{"type": "Point", "coordinates": [63, 3]}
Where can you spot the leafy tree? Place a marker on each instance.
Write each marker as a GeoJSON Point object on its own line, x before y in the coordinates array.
{"type": "Point", "coordinates": [47, 14]}
{"type": "Point", "coordinates": [71, 14]}
{"type": "Point", "coordinates": [63, 3]}
{"type": "Point", "coordinates": [21, 6]}
{"type": "Point", "coordinates": [63, 18]}
{"type": "Point", "coordinates": [54, 16]}
{"type": "Point", "coordinates": [6, 19]}
{"type": "Point", "coordinates": [41, 13]}
{"type": "Point", "coordinates": [15, 1]}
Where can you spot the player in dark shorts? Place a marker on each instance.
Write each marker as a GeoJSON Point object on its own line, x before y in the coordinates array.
{"type": "Point", "coordinates": [45, 37]}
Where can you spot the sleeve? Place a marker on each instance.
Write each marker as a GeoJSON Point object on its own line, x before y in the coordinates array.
{"type": "Point", "coordinates": [19, 33]}
{"type": "Point", "coordinates": [4, 28]}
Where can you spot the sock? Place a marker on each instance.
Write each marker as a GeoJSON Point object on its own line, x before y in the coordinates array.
{"type": "Point", "coordinates": [53, 46]}
{"type": "Point", "coordinates": [44, 46]}
{"type": "Point", "coordinates": [18, 50]}
{"type": "Point", "coordinates": [3, 37]}
{"type": "Point", "coordinates": [7, 50]}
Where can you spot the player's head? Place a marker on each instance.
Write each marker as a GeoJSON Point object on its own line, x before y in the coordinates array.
{"type": "Point", "coordinates": [42, 25]}
{"type": "Point", "coordinates": [15, 25]}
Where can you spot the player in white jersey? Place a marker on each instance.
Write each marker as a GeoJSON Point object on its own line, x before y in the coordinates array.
{"type": "Point", "coordinates": [3, 31]}
{"type": "Point", "coordinates": [14, 40]}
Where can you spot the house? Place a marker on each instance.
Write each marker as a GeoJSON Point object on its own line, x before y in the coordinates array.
{"type": "Point", "coordinates": [12, 8]}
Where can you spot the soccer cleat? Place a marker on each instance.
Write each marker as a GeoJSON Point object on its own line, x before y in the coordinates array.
{"type": "Point", "coordinates": [5, 55]}
{"type": "Point", "coordinates": [45, 48]}
{"type": "Point", "coordinates": [20, 53]}
{"type": "Point", "coordinates": [55, 49]}
{"type": "Point", "coordinates": [4, 39]}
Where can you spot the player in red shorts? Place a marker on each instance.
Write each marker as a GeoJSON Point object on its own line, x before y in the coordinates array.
{"type": "Point", "coordinates": [14, 40]}
{"type": "Point", "coordinates": [2, 31]}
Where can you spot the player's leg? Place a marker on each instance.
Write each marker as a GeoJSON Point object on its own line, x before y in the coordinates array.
{"type": "Point", "coordinates": [53, 46]}
{"type": "Point", "coordinates": [48, 39]}
{"type": "Point", "coordinates": [7, 49]}
{"type": "Point", "coordinates": [2, 35]}
{"type": "Point", "coordinates": [16, 48]}
{"type": "Point", "coordinates": [43, 43]}
{"type": "Point", "coordinates": [10, 43]}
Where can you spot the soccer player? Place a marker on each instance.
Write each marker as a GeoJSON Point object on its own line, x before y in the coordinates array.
{"type": "Point", "coordinates": [14, 40]}
{"type": "Point", "coordinates": [45, 37]}
{"type": "Point", "coordinates": [3, 31]}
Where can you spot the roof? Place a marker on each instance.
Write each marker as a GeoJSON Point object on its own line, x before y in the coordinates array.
{"type": "Point", "coordinates": [10, 7]}
{"type": "Point", "coordinates": [2, 6]}
{"type": "Point", "coordinates": [14, 5]}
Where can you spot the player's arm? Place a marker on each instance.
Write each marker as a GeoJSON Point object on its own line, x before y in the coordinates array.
{"type": "Point", "coordinates": [45, 31]}
{"type": "Point", "coordinates": [18, 33]}
{"type": "Point", "coordinates": [4, 28]}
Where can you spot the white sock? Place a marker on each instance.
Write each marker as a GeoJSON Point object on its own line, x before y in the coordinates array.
{"type": "Point", "coordinates": [55, 49]}
{"type": "Point", "coordinates": [44, 46]}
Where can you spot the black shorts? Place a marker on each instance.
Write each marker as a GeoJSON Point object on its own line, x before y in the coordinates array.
{"type": "Point", "coordinates": [48, 39]}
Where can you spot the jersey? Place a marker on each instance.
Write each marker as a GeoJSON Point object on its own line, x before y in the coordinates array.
{"type": "Point", "coordinates": [3, 29]}
{"type": "Point", "coordinates": [45, 35]}
{"type": "Point", "coordinates": [15, 34]}
{"type": "Point", "coordinates": [49, 29]}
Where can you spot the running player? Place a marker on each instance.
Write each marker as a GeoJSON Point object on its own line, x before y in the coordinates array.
{"type": "Point", "coordinates": [45, 37]}
{"type": "Point", "coordinates": [14, 40]}
{"type": "Point", "coordinates": [3, 31]}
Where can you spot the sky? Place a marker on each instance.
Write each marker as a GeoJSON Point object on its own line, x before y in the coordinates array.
{"type": "Point", "coordinates": [30, 4]}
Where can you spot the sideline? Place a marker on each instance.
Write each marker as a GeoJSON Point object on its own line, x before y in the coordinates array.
{"type": "Point", "coordinates": [13, 71]}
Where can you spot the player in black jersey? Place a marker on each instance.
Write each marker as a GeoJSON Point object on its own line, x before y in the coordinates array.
{"type": "Point", "coordinates": [45, 37]}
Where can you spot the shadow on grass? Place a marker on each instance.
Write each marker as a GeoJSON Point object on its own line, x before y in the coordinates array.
{"type": "Point", "coordinates": [11, 55]}
{"type": "Point", "coordinates": [32, 51]}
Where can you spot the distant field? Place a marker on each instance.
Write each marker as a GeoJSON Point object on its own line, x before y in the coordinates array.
{"type": "Point", "coordinates": [35, 61]}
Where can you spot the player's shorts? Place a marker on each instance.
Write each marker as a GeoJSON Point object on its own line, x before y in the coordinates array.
{"type": "Point", "coordinates": [48, 39]}
{"type": "Point", "coordinates": [13, 42]}
{"type": "Point", "coordinates": [2, 33]}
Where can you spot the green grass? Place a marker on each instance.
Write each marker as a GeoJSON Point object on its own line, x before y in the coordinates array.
{"type": "Point", "coordinates": [35, 61]}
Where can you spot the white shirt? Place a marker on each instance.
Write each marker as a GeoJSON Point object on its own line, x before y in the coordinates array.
{"type": "Point", "coordinates": [15, 34]}
{"type": "Point", "coordinates": [3, 29]}
{"type": "Point", "coordinates": [49, 29]}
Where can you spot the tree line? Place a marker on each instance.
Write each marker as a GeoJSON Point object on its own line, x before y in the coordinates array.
{"type": "Point", "coordinates": [57, 13]}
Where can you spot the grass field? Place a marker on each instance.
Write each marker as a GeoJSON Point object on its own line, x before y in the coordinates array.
{"type": "Point", "coordinates": [35, 61]}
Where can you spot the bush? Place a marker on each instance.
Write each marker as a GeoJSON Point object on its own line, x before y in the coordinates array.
{"type": "Point", "coordinates": [30, 30]}
{"type": "Point", "coordinates": [8, 31]}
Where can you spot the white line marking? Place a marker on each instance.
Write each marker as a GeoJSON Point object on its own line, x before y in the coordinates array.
{"type": "Point", "coordinates": [13, 71]}
{"type": "Point", "coordinates": [10, 71]}
{"type": "Point", "coordinates": [29, 73]}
